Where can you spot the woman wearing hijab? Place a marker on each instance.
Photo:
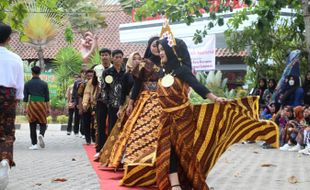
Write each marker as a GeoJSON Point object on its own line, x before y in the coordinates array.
{"type": "Point", "coordinates": [192, 138]}
{"type": "Point", "coordinates": [108, 149]}
{"type": "Point", "coordinates": [137, 143]}
{"type": "Point", "coordinates": [268, 93]}
{"type": "Point", "coordinates": [293, 94]}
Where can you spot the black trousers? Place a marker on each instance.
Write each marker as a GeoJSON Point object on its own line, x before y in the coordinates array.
{"type": "Point", "coordinates": [112, 112]}
{"type": "Point", "coordinates": [33, 131]}
{"type": "Point", "coordinates": [101, 115]}
{"type": "Point", "coordinates": [90, 134]}
{"type": "Point", "coordinates": [77, 122]}
{"type": "Point", "coordinates": [70, 119]}
{"type": "Point", "coordinates": [174, 161]}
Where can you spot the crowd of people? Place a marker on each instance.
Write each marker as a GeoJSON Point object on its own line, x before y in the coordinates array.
{"type": "Point", "coordinates": [289, 109]}
{"type": "Point", "coordinates": [139, 116]}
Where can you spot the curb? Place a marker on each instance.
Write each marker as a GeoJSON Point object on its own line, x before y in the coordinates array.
{"type": "Point", "coordinates": [54, 127]}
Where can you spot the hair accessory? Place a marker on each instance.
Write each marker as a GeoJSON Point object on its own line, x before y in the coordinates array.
{"type": "Point", "coordinates": [166, 33]}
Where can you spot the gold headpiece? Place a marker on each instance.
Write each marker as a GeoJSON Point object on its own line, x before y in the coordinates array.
{"type": "Point", "coordinates": [166, 33]}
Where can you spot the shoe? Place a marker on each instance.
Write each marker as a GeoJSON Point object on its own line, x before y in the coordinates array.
{"type": "Point", "coordinates": [295, 148]}
{"type": "Point", "coordinates": [96, 157]}
{"type": "Point", "coordinates": [41, 141]}
{"type": "Point", "coordinates": [83, 137]}
{"type": "Point", "coordinates": [285, 147]}
{"type": "Point", "coordinates": [305, 151]}
{"type": "Point", "coordinates": [69, 133]}
{"type": "Point", "coordinates": [76, 134]}
{"type": "Point", "coordinates": [34, 147]}
{"type": "Point", "coordinates": [4, 174]}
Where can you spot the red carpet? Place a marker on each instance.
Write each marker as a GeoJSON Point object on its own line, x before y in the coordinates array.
{"type": "Point", "coordinates": [108, 179]}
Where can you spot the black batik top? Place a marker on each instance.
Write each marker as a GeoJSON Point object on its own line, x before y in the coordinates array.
{"type": "Point", "coordinates": [111, 93]}
{"type": "Point", "coordinates": [126, 87]}
{"type": "Point", "coordinates": [36, 87]}
{"type": "Point", "coordinates": [151, 72]}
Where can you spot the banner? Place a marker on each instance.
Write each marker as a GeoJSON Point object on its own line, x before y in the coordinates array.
{"type": "Point", "coordinates": [202, 54]}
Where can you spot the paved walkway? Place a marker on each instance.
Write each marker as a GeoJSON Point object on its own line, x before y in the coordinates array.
{"type": "Point", "coordinates": [240, 168]}
{"type": "Point", "coordinates": [63, 158]}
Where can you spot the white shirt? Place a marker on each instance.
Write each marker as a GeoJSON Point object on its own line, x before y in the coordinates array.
{"type": "Point", "coordinates": [99, 69]}
{"type": "Point", "coordinates": [11, 71]}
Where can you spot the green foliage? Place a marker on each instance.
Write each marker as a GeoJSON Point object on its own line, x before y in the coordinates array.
{"type": "Point", "coordinates": [49, 119]}
{"type": "Point", "coordinates": [62, 119]}
{"type": "Point", "coordinates": [58, 103]}
{"type": "Point", "coordinates": [267, 39]}
{"type": "Point", "coordinates": [213, 81]}
{"type": "Point", "coordinates": [12, 14]}
{"type": "Point", "coordinates": [95, 59]}
{"type": "Point", "coordinates": [69, 36]}
{"type": "Point", "coordinates": [84, 15]}
{"type": "Point", "coordinates": [67, 62]}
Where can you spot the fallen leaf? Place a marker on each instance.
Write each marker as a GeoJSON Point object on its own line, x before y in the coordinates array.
{"type": "Point", "coordinates": [73, 159]}
{"type": "Point", "coordinates": [237, 174]}
{"type": "Point", "coordinates": [227, 161]}
{"type": "Point", "coordinates": [268, 165]}
{"type": "Point", "coordinates": [255, 152]}
{"type": "Point", "coordinates": [38, 184]}
{"type": "Point", "coordinates": [292, 179]}
{"type": "Point", "coordinates": [59, 180]}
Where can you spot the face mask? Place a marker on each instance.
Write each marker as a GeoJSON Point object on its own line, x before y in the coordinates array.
{"type": "Point", "coordinates": [291, 82]}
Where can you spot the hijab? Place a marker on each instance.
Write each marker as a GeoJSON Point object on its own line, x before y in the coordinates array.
{"type": "Point", "coordinates": [148, 53]}
{"type": "Point", "coordinates": [129, 64]}
{"type": "Point", "coordinates": [176, 62]}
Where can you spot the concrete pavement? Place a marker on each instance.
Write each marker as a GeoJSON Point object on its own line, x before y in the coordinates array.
{"type": "Point", "coordinates": [242, 167]}
{"type": "Point", "coordinates": [62, 158]}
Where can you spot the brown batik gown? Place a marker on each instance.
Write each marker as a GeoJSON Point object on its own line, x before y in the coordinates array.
{"type": "Point", "coordinates": [200, 134]}
{"type": "Point", "coordinates": [7, 123]}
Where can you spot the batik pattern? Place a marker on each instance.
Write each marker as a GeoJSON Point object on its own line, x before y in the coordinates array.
{"type": "Point", "coordinates": [7, 123]}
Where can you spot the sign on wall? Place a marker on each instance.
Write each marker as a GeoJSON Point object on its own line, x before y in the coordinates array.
{"type": "Point", "coordinates": [203, 54]}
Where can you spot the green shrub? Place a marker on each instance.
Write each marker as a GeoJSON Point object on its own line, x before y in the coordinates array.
{"type": "Point", "coordinates": [62, 119]}
{"type": "Point", "coordinates": [49, 119]}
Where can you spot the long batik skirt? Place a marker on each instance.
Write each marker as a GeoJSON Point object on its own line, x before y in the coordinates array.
{"type": "Point", "coordinates": [200, 134]}
{"type": "Point", "coordinates": [7, 123]}
{"type": "Point", "coordinates": [138, 142]}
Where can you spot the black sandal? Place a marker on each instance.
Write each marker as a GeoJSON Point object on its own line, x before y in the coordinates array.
{"type": "Point", "coordinates": [178, 185]}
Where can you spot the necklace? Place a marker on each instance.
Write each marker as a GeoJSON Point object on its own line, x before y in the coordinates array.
{"type": "Point", "coordinates": [167, 80]}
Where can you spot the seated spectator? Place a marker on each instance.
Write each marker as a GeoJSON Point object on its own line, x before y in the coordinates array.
{"type": "Point", "coordinates": [281, 120]}
{"type": "Point", "coordinates": [306, 131]}
{"type": "Point", "coordinates": [293, 95]}
{"type": "Point", "coordinates": [292, 131]}
{"type": "Point", "coordinates": [259, 91]}
{"type": "Point", "coordinates": [269, 111]}
{"type": "Point", "coordinates": [268, 93]}
{"type": "Point", "coordinates": [306, 88]}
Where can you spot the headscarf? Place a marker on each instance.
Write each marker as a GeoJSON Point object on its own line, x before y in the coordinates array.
{"type": "Point", "coordinates": [148, 53]}
{"type": "Point", "coordinates": [129, 64]}
{"type": "Point", "coordinates": [271, 89]}
{"type": "Point", "coordinates": [175, 62]}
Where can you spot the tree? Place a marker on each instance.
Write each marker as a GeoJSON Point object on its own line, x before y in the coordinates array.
{"type": "Point", "coordinates": [12, 14]}
{"type": "Point", "coordinates": [267, 10]}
